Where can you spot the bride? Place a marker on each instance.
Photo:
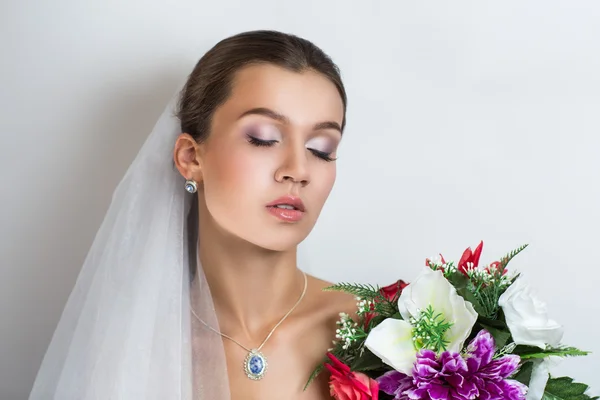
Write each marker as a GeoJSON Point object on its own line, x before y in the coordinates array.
{"type": "Point", "coordinates": [191, 289]}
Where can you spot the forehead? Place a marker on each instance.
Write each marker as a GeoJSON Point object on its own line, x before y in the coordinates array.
{"type": "Point", "coordinates": [306, 97]}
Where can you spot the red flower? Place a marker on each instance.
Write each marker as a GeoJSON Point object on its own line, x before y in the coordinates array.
{"type": "Point", "coordinates": [345, 384]}
{"type": "Point", "coordinates": [391, 293]}
{"type": "Point", "coordinates": [470, 259]}
{"type": "Point", "coordinates": [496, 265]}
{"type": "Point", "coordinates": [368, 318]}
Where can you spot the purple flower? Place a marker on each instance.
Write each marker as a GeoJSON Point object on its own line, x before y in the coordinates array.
{"type": "Point", "coordinates": [395, 383]}
{"type": "Point", "coordinates": [451, 376]}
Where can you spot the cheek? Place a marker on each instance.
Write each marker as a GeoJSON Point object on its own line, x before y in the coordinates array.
{"type": "Point", "coordinates": [323, 185]}
{"type": "Point", "coordinates": [234, 177]}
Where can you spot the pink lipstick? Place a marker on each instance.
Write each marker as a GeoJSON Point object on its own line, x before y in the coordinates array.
{"type": "Point", "coordinates": [287, 208]}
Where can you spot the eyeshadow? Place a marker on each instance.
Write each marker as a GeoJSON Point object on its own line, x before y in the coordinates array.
{"type": "Point", "coordinates": [262, 131]}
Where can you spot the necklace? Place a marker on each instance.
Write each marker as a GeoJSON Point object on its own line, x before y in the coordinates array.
{"type": "Point", "coordinates": [255, 364]}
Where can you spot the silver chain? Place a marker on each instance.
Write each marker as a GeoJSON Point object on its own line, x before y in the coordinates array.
{"type": "Point", "coordinates": [272, 330]}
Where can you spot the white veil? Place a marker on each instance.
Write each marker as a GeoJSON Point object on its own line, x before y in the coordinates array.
{"type": "Point", "coordinates": [126, 331]}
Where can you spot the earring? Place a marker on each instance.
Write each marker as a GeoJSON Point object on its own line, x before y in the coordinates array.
{"type": "Point", "coordinates": [191, 186]}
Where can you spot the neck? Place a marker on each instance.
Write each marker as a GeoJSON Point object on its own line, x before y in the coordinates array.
{"type": "Point", "coordinates": [252, 288]}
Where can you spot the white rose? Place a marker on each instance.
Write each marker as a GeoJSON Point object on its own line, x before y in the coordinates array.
{"type": "Point", "coordinates": [527, 318]}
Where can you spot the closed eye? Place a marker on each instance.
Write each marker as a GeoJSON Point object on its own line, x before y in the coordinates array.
{"type": "Point", "coordinates": [322, 155]}
{"type": "Point", "coordinates": [259, 142]}
{"type": "Point", "coordinates": [268, 143]}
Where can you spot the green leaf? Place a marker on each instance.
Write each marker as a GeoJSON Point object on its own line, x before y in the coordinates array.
{"type": "Point", "coordinates": [396, 315]}
{"type": "Point", "coordinates": [500, 336]}
{"type": "Point", "coordinates": [470, 297]}
{"type": "Point", "coordinates": [496, 323]}
{"type": "Point", "coordinates": [314, 375]}
{"type": "Point", "coordinates": [532, 352]}
{"type": "Point", "coordinates": [507, 258]}
{"type": "Point", "coordinates": [364, 291]}
{"type": "Point", "coordinates": [524, 374]}
{"type": "Point", "coordinates": [458, 280]}
{"type": "Point", "coordinates": [375, 321]}
{"type": "Point", "coordinates": [367, 362]}
{"type": "Point", "coordinates": [565, 389]}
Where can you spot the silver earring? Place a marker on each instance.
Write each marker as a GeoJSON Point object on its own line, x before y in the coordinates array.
{"type": "Point", "coordinates": [191, 186]}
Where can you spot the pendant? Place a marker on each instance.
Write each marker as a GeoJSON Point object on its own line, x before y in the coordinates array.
{"type": "Point", "coordinates": [255, 365]}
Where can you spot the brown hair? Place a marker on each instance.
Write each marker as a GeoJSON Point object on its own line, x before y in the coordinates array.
{"type": "Point", "coordinates": [210, 83]}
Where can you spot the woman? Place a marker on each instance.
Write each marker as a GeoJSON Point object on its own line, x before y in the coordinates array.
{"type": "Point", "coordinates": [191, 289]}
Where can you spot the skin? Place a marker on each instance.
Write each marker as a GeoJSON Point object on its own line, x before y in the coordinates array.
{"type": "Point", "coordinates": [249, 255]}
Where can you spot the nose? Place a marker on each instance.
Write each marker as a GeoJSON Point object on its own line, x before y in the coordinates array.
{"type": "Point", "coordinates": [294, 167]}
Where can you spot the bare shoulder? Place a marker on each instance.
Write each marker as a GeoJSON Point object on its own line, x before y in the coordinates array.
{"type": "Point", "coordinates": [316, 325]}
{"type": "Point", "coordinates": [329, 304]}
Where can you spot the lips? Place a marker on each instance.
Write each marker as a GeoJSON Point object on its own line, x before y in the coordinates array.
{"type": "Point", "coordinates": [288, 202]}
{"type": "Point", "coordinates": [287, 208]}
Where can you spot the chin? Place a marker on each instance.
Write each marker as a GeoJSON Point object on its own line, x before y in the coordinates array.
{"type": "Point", "coordinates": [280, 241]}
{"type": "Point", "coordinates": [266, 234]}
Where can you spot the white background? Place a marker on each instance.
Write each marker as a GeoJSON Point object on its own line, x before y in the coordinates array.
{"type": "Point", "coordinates": [466, 121]}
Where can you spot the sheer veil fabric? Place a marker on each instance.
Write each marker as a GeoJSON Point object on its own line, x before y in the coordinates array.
{"type": "Point", "coordinates": [126, 331]}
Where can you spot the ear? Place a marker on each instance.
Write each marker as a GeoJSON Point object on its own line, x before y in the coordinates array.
{"type": "Point", "coordinates": [187, 157]}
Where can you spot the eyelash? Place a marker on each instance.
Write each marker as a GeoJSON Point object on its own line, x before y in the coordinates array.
{"type": "Point", "coordinates": [261, 143]}
{"type": "Point", "coordinates": [268, 143]}
{"type": "Point", "coordinates": [322, 155]}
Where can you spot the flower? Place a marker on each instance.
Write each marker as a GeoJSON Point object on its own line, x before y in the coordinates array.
{"type": "Point", "coordinates": [347, 385]}
{"type": "Point", "coordinates": [470, 259]}
{"type": "Point", "coordinates": [496, 267]}
{"type": "Point", "coordinates": [347, 331]}
{"type": "Point", "coordinates": [369, 317]}
{"type": "Point", "coordinates": [429, 262]}
{"type": "Point", "coordinates": [391, 293]}
{"type": "Point", "coordinates": [396, 384]}
{"type": "Point", "coordinates": [540, 375]}
{"type": "Point", "coordinates": [527, 318]}
{"type": "Point", "coordinates": [396, 342]}
{"type": "Point", "coordinates": [538, 380]}
{"type": "Point", "coordinates": [451, 376]}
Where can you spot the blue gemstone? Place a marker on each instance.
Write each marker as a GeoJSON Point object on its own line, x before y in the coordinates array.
{"type": "Point", "coordinates": [256, 365]}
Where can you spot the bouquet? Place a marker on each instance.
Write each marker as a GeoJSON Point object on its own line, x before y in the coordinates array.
{"type": "Point", "coordinates": [459, 331]}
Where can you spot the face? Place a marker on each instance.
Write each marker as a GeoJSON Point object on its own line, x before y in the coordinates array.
{"type": "Point", "coordinates": [268, 164]}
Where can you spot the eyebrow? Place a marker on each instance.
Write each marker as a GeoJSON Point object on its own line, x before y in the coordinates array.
{"type": "Point", "coordinates": [267, 112]}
